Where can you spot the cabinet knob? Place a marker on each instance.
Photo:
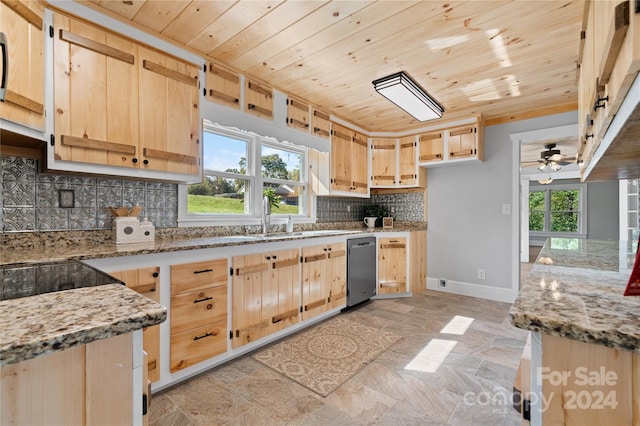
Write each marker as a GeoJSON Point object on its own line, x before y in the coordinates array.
{"type": "Point", "coordinates": [275, 257]}
{"type": "Point", "coordinates": [145, 162]}
{"type": "Point", "coordinates": [268, 257]}
{"type": "Point", "coordinates": [134, 159]}
{"type": "Point", "coordinates": [155, 275]}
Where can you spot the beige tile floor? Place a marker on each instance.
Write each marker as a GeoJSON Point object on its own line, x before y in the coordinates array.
{"type": "Point", "coordinates": [471, 386]}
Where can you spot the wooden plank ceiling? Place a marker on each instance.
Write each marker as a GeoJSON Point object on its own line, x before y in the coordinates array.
{"type": "Point", "coordinates": [495, 58]}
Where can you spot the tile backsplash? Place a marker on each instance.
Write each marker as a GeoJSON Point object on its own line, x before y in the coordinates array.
{"type": "Point", "coordinates": [405, 207]}
{"type": "Point", "coordinates": [30, 199]}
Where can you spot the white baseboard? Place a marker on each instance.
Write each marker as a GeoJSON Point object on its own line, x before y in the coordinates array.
{"type": "Point", "coordinates": [473, 290]}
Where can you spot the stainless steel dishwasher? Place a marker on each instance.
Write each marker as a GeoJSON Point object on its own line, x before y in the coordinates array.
{"type": "Point", "coordinates": [361, 270]}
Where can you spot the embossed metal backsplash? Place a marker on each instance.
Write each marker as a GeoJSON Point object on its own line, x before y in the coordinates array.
{"type": "Point", "coordinates": [405, 207]}
{"type": "Point", "coordinates": [30, 199]}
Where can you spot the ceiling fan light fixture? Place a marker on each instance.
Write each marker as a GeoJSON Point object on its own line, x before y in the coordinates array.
{"type": "Point", "coordinates": [546, 181]}
{"type": "Point", "coordinates": [400, 89]}
{"type": "Point", "coordinates": [542, 166]}
{"type": "Point", "coordinates": [555, 166]}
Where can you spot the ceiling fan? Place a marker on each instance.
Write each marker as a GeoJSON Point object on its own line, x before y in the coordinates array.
{"type": "Point", "coordinates": [551, 158]}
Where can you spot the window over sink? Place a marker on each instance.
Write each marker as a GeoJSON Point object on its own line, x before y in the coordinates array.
{"type": "Point", "coordinates": [239, 169]}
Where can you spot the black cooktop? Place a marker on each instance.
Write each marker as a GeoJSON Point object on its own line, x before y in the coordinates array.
{"type": "Point", "coordinates": [29, 279]}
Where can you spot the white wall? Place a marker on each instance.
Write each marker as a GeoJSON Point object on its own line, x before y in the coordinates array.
{"type": "Point", "coordinates": [467, 230]}
{"type": "Point", "coordinates": [603, 212]}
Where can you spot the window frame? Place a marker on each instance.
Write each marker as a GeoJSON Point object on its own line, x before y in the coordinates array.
{"type": "Point", "coordinates": [582, 210]}
{"type": "Point", "coordinates": [253, 197]}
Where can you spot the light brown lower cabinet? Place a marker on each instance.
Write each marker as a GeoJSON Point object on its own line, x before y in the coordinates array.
{"type": "Point", "coordinates": [146, 281]}
{"type": "Point", "coordinates": [324, 274]}
{"type": "Point", "coordinates": [392, 265]}
{"type": "Point", "coordinates": [90, 384]}
{"type": "Point", "coordinates": [266, 294]}
{"type": "Point", "coordinates": [198, 312]}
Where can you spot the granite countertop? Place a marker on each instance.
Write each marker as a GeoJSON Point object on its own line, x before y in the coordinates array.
{"type": "Point", "coordinates": [575, 290]}
{"type": "Point", "coordinates": [36, 325]}
{"type": "Point", "coordinates": [51, 246]}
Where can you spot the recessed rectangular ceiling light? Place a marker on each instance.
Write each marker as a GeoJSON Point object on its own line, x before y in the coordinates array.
{"type": "Point", "coordinates": [400, 89]}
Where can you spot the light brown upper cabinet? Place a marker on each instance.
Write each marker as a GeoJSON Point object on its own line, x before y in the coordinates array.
{"type": "Point", "coordinates": [118, 103]}
{"type": "Point", "coordinates": [320, 123]}
{"type": "Point", "coordinates": [223, 86]}
{"type": "Point", "coordinates": [298, 114]}
{"type": "Point", "coordinates": [452, 144]}
{"type": "Point", "coordinates": [169, 115]}
{"type": "Point", "coordinates": [23, 43]}
{"type": "Point", "coordinates": [349, 161]}
{"type": "Point", "coordinates": [258, 99]}
{"type": "Point", "coordinates": [609, 62]}
{"type": "Point", "coordinates": [393, 163]}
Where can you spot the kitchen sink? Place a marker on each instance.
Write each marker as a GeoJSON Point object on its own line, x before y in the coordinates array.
{"type": "Point", "coordinates": [282, 235]}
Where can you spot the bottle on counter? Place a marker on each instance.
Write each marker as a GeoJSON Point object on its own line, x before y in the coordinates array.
{"type": "Point", "coordinates": [289, 225]}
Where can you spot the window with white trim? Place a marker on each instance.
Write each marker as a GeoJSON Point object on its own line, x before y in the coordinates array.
{"type": "Point", "coordinates": [558, 210]}
{"type": "Point", "coordinates": [239, 169]}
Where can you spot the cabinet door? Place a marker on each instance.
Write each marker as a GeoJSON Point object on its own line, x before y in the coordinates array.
{"type": "Point", "coordinates": [338, 275]}
{"type": "Point", "coordinates": [23, 26]}
{"type": "Point", "coordinates": [360, 164]}
{"type": "Point", "coordinates": [283, 299]}
{"type": "Point", "coordinates": [249, 321]}
{"type": "Point", "coordinates": [341, 138]}
{"type": "Point", "coordinates": [383, 162]}
{"type": "Point", "coordinates": [462, 142]}
{"type": "Point", "coordinates": [298, 114]}
{"type": "Point", "coordinates": [95, 94]}
{"type": "Point", "coordinates": [315, 281]}
{"type": "Point", "coordinates": [431, 147]}
{"type": "Point", "coordinates": [408, 171]}
{"type": "Point", "coordinates": [169, 117]}
{"type": "Point", "coordinates": [392, 265]}
{"type": "Point", "coordinates": [146, 281]}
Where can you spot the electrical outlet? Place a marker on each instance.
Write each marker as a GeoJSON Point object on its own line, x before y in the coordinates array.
{"type": "Point", "coordinates": [481, 274]}
{"type": "Point", "coordinates": [443, 282]}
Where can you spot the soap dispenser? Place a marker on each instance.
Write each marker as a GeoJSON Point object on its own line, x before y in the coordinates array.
{"type": "Point", "coordinates": [289, 225]}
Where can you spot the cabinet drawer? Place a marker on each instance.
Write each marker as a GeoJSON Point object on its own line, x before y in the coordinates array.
{"type": "Point", "coordinates": [195, 345]}
{"type": "Point", "coordinates": [197, 308]}
{"type": "Point", "coordinates": [199, 275]}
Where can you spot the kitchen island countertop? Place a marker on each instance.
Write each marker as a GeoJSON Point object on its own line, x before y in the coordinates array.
{"type": "Point", "coordinates": [37, 325]}
{"type": "Point", "coordinates": [575, 290]}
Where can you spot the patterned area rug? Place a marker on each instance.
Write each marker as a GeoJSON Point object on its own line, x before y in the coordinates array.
{"type": "Point", "coordinates": [324, 357]}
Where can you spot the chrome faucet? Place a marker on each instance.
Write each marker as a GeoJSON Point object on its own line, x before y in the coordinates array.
{"type": "Point", "coordinates": [266, 214]}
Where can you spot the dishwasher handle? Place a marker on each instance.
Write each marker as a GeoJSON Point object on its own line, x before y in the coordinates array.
{"type": "Point", "coordinates": [365, 244]}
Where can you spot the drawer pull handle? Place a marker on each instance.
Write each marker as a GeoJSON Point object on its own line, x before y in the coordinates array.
{"type": "Point", "coordinates": [203, 336]}
{"type": "Point", "coordinates": [203, 271]}
{"type": "Point", "coordinates": [155, 275]}
{"type": "Point", "coordinates": [202, 300]}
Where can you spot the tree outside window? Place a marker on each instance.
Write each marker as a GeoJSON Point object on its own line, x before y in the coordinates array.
{"type": "Point", "coordinates": [555, 210]}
